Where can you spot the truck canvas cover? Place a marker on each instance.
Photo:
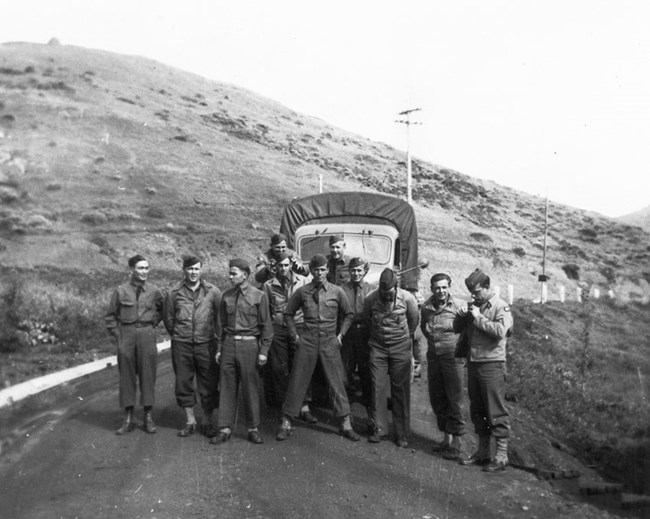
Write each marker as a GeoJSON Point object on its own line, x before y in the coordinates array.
{"type": "Point", "coordinates": [352, 206]}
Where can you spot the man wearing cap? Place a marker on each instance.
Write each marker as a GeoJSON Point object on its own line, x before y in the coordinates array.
{"type": "Point", "coordinates": [134, 310]}
{"type": "Point", "coordinates": [355, 353]}
{"type": "Point", "coordinates": [337, 262]}
{"type": "Point", "coordinates": [246, 334]}
{"type": "Point", "coordinates": [488, 322]}
{"type": "Point", "coordinates": [392, 317]}
{"type": "Point", "coordinates": [279, 290]}
{"type": "Point", "coordinates": [327, 317]}
{"type": "Point", "coordinates": [444, 369]}
{"type": "Point", "coordinates": [266, 263]}
{"type": "Point", "coordinates": [191, 317]}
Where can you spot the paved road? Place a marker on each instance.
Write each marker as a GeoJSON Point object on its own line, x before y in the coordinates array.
{"type": "Point", "coordinates": [69, 464]}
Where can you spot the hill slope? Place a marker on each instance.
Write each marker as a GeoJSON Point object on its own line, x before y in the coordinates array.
{"type": "Point", "coordinates": [640, 218]}
{"type": "Point", "coordinates": [105, 154]}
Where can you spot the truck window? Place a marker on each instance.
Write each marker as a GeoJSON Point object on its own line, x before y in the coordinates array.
{"type": "Point", "coordinates": [373, 248]}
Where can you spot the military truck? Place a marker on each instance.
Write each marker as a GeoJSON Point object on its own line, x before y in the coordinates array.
{"type": "Point", "coordinates": [379, 228]}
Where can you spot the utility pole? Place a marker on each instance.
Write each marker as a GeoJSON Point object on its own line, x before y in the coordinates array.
{"type": "Point", "coordinates": [407, 121]}
{"type": "Point", "coordinates": [543, 278]}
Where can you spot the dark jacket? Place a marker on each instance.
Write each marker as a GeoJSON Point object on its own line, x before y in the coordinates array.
{"type": "Point", "coordinates": [437, 324]}
{"type": "Point", "coordinates": [192, 316]}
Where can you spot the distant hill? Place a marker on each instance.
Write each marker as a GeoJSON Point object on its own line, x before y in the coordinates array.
{"type": "Point", "coordinates": [640, 218]}
{"type": "Point", "coordinates": [102, 155]}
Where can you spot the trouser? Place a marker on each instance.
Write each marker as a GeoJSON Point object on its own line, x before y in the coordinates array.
{"type": "Point", "coordinates": [355, 354]}
{"type": "Point", "coordinates": [390, 367]}
{"type": "Point", "coordinates": [444, 373]}
{"type": "Point", "coordinates": [281, 355]}
{"type": "Point", "coordinates": [313, 346]}
{"type": "Point", "coordinates": [238, 369]}
{"type": "Point", "coordinates": [486, 385]}
{"type": "Point", "coordinates": [192, 360]}
{"type": "Point", "coordinates": [137, 357]}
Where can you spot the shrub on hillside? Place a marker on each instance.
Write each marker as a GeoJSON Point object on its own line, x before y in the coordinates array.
{"type": "Point", "coordinates": [481, 237]}
{"type": "Point", "coordinates": [154, 212]}
{"type": "Point", "coordinates": [519, 251]}
{"type": "Point", "coordinates": [588, 234]}
{"type": "Point", "coordinates": [94, 218]}
{"type": "Point", "coordinates": [572, 271]}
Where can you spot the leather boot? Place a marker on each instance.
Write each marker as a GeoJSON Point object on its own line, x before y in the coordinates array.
{"type": "Point", "coordinates": [482, 454]}
{"type": "Point", "coordinates": [500, 460]}
{"type": "Point", "coordinates": [128, 424]}
{"type": "Point", "coordinates": [149, 426]}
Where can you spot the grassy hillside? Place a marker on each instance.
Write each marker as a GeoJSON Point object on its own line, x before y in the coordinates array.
{"type": "Point", "coordinates": [103, 155]}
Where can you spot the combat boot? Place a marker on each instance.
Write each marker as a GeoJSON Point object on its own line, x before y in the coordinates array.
{"type": "Point", "coordinates": [500, 460]}
{"type": "Point", "coordinates": [482, 454]}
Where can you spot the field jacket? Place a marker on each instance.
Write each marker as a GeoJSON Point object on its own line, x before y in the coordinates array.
{"type": "Point", "coordinates": [279, 294]}
{"type": "Point", "coordinates": [192, 316]}
{"type": "Point", "coordinates": [390, 322]}
{"type": "Point", "coordinates": [437, 324]}
{"type": "Point", "coordinates": [488, 332]}
{"type": "Point", "coordinates": [125, 307]}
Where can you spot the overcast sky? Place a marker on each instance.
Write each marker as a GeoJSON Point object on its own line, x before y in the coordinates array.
{"type": "Point", "coordinates": [549, 96]}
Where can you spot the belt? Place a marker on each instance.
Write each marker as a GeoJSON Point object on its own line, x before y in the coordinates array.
{"type": "Point", "coordinates": [359, 325]}
{"type": "Point", "coordinates": [138, 324]}
{"type": "Point", "coordinates": [245, 337]}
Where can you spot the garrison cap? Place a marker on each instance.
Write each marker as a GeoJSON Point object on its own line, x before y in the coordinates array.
{"type": "Point", "coordinates": [240, 264]}
{"type": "Point", "coordinates": [318, 260]}
{"type": "Point", "coordinates": [478, 277]}
{"type": "Point", "coordinates": [188, 261]}
{"type": "Point", "coordinates": [278, 238]}
{"type": "Point", "coordinates": [335, 238]}
{"type": "Point", "coordinates": [388, 279]}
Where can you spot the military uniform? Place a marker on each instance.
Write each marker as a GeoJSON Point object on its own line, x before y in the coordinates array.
{"type": "Point", "coordinates": [338, 272]}
{"type": "Point", "coordinates": [283, 347]}
{"type": "Point", "coordinates": [133, 313]}
{"type": "Point", "coordinates": [326, 312]}
{"type": "Point", "coordinates": [443, 368]}
{"type": "Point", "coordinates": [486, 370]}
{"type": "Point", "coordinates": [265, 263]}
{"type": "Point", "coordinates": [355, 351]}
{"type": "Point", "coordinates": [191, 318]}
{"type": "Point", "coordinates": [247, 332]}
{"type": "Point", "coordinates": [392, 325]}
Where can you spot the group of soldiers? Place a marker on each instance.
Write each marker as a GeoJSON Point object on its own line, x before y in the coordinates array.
{"type": "Point", "coordinates": [303, 328]}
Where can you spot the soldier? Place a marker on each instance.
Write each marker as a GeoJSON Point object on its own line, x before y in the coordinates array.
{"type": "Point", "coordinates": [278, 291]}
{"type": "Point", "coordinates": [135, 309]}
{"type": "Point", "coordinates": [265, 266]}
{"type": "Point", "coordinates": [191, 317]}
{"type": "Point", "coordinates": [444, 369]}
{"type": "Point", "coordinates": [327, 317]}
{"type": "Point", "coordinates": [392, 317]}
{"type": "Point", "coordinates": [488, 322]}
{"type": "Point", "coordinates": [337, 261]}
{"type": "Point", "coordinates": [355, 353]}
{"type": "Point", "coordinates": [246, 334]}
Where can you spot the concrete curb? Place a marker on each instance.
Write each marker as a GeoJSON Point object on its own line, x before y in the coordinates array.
{"type": "Point", "coordinates": [15, 393]}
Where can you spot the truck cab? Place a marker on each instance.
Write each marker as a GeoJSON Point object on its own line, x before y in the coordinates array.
{"type": "Point", "coordinates": [378, 228]}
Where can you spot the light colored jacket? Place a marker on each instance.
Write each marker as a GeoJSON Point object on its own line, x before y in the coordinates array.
{"type": "Point", "coordinates": [489, 331]}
